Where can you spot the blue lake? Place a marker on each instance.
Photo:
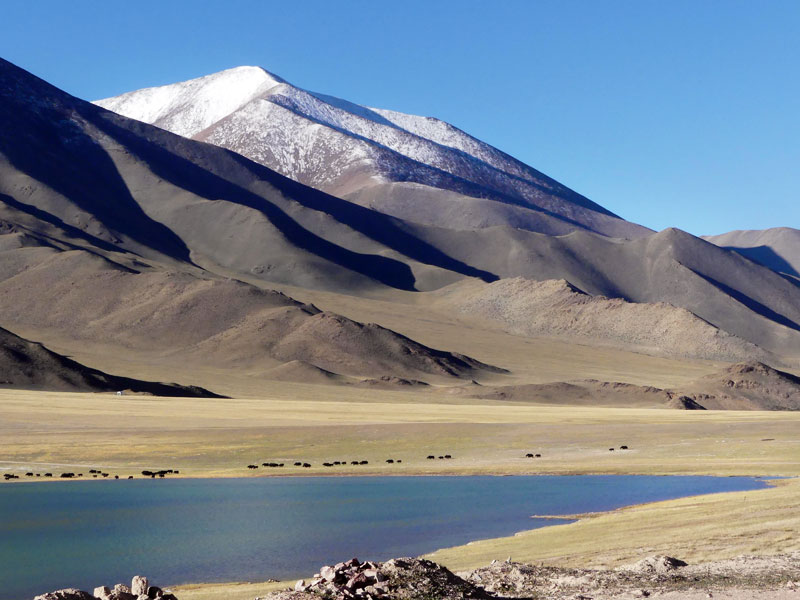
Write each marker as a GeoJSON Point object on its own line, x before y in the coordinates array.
{"type": "Point", "coordinates": [85, 534]}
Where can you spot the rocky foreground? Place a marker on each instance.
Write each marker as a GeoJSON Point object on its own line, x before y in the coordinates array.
{"type": "Point", "coordinates": [772, 578]}
{"type": "Point", "coordinates": [140, 589]}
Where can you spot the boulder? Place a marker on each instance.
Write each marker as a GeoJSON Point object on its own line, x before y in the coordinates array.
{"type": "Point", "coordinates": [139, 585]}
{"type": "Point", "coordinates": [300, 586]}
{"type": "Point", "coordinates": [658, 564]}
{"type": "Point", "coordinates": [103, 592]}
{"type": "Point", "coordinates": [356, 582]}
{"type": "Point", "coordinates": [66, 594]}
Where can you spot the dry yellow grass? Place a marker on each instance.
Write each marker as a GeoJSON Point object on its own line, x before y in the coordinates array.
{"type": "Point", "coordinates": [697, 529]}
{"type": "Point", "coordinates": [228, 591]}
{"type": "Point", "coordinates": [221, 437]}
{"type": "Point", "coordinates": [316, 423]}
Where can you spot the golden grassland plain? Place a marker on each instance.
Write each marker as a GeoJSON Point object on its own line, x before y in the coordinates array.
{"type": "Point", "coordinates": [125, 434]}
{"type": "Point", "coordinates": [268, 421]}
{"type": "Point", "coordinates": [697, 529]}
{"type": "Point", "coordinates": [211, 437]}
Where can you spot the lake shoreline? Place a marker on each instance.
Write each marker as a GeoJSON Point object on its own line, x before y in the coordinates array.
{"type": "Point", "coordinates": [406, 473]}
{"type": "Point", "coordinates": [522, 499]}
{"type": "Point", "coordinates": [265, 586]}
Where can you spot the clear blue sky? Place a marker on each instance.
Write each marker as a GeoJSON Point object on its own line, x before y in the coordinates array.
{"type": "Point", "coordinates": [669, 113]}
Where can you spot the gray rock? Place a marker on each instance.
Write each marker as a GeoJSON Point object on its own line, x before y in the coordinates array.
{"type": "Point", "coordinates": [139, 585]}
{"type": "Point", "coordinates": [103, 592]}
{"type": "Point", "coordinates": [66, 594]}
{"type": "Point", "coordinates": [327, 573]}
{"type": "Point", "coordinates": [122, 589]}
{"type": "Point", "coordinates": [300, 586]}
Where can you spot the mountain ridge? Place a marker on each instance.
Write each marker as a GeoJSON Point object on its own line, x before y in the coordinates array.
{"type": "Point", "coordinates": [322, 141]}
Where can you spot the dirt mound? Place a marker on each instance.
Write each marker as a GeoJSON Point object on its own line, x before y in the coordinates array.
{"type": "Point", "coordinates": [302, 372]}
{"type": "Point", "coordinates": [685, 403]}
{"type": "Point", "coordinates": [336, 343]}
{"type": "Point", "coordinates": [746, 386]}
{"type": "Point", "coordinates": [580, 392]}
{"type": "Point", "coordinates": [656, 576]}
{"type": "Point", "coordinates": [555, 308]}
{"type": "Point", "coordinates": [396, 579]}
{"type": "Point", "coordinates": [658, 563]}
{"type": "Point", "coordinates": [29, 365]}
{"type": "Point", "coordinates": [390, 383]}
{"type": "Point", "coordinates": [742, 386]}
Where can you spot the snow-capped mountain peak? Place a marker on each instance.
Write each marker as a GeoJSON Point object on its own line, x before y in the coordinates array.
{"type": "Point", "coordinates": [189, 107]}
{"type": "Point", "coordinates": [417, 168]}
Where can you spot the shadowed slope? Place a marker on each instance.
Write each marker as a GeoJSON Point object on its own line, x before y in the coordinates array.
{"type": "Point", "coordinates": [211, 322]}
{"type": "Point", "coordinates": [362, 153]}
{"type": "Point", "coordinates": [777, 248]}
{"type": "Point", "coordinates": [719, 286]}
{"type": "Point", "coordinates": [150, 184]}
{"type": "Point", "coordinates": [558, 309]}
{"type": "Point", "coordinates": [28, 365]}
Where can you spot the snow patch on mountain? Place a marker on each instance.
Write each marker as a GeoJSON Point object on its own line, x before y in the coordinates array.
{"type": "Point", "coordinates": [188, 107]}
{"type": "Point", "coordinates": [347, 149]}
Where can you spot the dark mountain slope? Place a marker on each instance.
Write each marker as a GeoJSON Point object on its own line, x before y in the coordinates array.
{"type": "Point", "coordinates": [156, 194]}
{"type": "Point", "coordinates": [369, 156]}
{"type": "Point", "coordinates": [28, 365]}
{"type": "Point", "coordinates": [777, 248]}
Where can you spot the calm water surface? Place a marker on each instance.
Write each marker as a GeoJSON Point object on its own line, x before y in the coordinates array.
{"type": "Point", "coordinates": [85, 534]}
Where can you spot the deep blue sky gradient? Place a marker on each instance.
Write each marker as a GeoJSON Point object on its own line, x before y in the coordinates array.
{"type": "Point", "coordinates": [669, 113]}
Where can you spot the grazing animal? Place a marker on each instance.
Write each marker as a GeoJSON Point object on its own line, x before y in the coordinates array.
{"type": "Point", "coordinates": [441, 457]}
{"type": "Point", "coordinates": [364, 462]}
{"type": "Point", "coordinates": [298, 464]}
{"type": "Point", "coordinates": [610, 449]}
{"type": "Point", "coordinates": [447, 456]}
{"type": "Point", "coordinates": [48, 474]}
{"type": "Point", "coordinates": [327, 464]}
{"type": "Point", "coordinates": [538, 456]}
{"type": "Point", "coordinates": [529, 456]}
{"type": "Point", "coordinates": [623, 447]}
{"type": "Point", "coordinates": [28, 474]}
{"type": "Point", "coordinates": [248, 466]}
{"type": "Point", "coordinates": [431, 457]}
{"type": "Point", "coordinates": [353, 462]}
{"type": "Point", "coordinates": [130, 476]}
{"type": "Point", "coordinates": [116, 476]}
{"type": "Point", "coordinates": [389, 460]}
